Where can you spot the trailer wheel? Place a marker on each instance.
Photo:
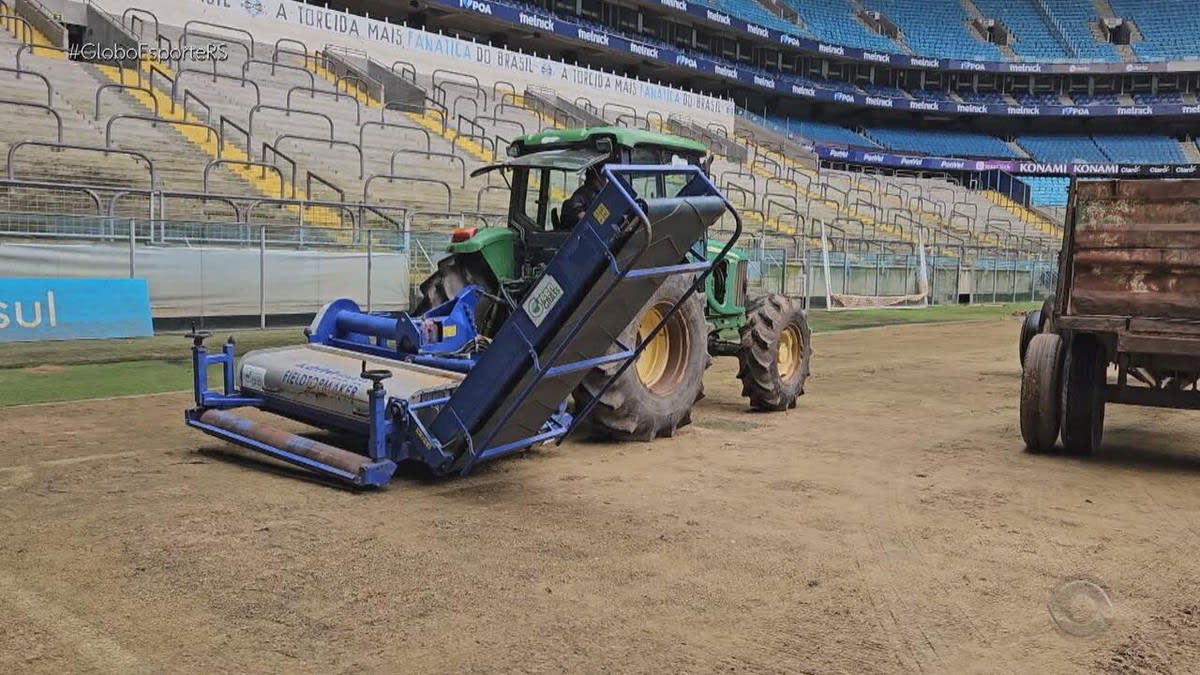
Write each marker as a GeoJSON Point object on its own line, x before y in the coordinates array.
{"type": "Point", "coordinates": [1084, 377]}
{"type": "Point", "coordinates": [775, 351]}
{"type": "Point", "coordinates": [1031, 326]}
{"type": "Point", "coordinates": [1040, 386]}
{"type": "Point", "coordinates": [655, 396]}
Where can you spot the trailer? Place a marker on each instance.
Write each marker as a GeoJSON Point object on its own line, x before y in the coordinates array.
{"type": "Point", "coordinates": [1124, 324]}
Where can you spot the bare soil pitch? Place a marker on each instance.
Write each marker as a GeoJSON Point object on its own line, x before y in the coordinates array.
{"type": "Point", "coordinates": [889, 523]}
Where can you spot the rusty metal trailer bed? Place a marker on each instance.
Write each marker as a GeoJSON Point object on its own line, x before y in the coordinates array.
{"type": "Point", "coordinates": [1124, 324]}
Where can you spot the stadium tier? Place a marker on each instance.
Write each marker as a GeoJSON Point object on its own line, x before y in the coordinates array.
{"type": "Point", "coordinates": [835, 21]}
{"type": "Point", "coordinates": [1047, 190]}
{"type": "Point", "coordinates": [936, 28]}
{"type": "Point", "coordinates": [942, 143]}
{"type": "Point", "coordinates": [1168, 28]}
{"type": "Point", "coordinates": [1061, 148]}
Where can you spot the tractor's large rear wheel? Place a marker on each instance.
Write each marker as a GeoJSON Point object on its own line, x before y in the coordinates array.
{"type": "Point", "coordinates": [655, 396]}
{"type": "Point", "coordinates": [775, 352]}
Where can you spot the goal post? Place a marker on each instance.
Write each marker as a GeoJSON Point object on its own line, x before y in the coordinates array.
{"type": "Point", "coordinates": [879, 280]}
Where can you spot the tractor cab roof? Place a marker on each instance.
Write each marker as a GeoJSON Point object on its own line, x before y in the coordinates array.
{"type": "Point", "coordinates": [602, 139]}
{"type": "Point", "coordinates": [572, 160]}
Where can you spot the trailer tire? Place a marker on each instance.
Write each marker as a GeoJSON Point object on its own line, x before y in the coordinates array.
{"type": "Point", "coordinates": [1084, 378]}
{"type": "Point", "coordinates": [1031, 326]}
{"type": "Point", "coordinates": [1040, 386]}
{"type": "Point", "coordinates": [634, 409]}
{"type": "Point", "coordinates": [775, 352]}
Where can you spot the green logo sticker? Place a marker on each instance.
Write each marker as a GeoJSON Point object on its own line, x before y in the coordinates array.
{"type": "Point", "coordinates": [542, 299]}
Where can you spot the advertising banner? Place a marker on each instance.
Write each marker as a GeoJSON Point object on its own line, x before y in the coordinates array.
{"type": "Point", "coordinates": [73, 309]}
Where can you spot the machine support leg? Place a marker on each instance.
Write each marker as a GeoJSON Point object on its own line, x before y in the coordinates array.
{"type": "Point", "coordinates": [377, 419]}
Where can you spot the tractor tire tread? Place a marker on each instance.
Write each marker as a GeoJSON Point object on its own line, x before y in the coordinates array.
{"type": "Point", "coordinates": [758, 355]}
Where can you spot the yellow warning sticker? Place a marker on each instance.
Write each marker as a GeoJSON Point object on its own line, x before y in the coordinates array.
{"type": "Point", "coordinates": [449, 330]}
{"type": "Point", "coordinates": [601, 213]}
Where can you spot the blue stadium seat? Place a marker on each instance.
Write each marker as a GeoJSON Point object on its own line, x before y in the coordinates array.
{"type": "Point", "coordinates": [1061, 148]}
{"type": "Point", "coordinates": [880, 90]}
{"type": "Point", "coordinates": [835, 21]}
{"type": "Point", "coordinates": [821, 132]}
{"type": "Point", "coordinates": [1038, 99]}
{"type": "Point", "coordinates": [1075, 18]}
{"type": "Point", "coordinates": [1097, 99]}
{"type": "Point", "coordinates": [1034, 40]}
{"type": "Point", "coordinates": [1141, 148]}
{"type": "Point", "coordinates": [942, 143]}
{"type": "Point", "coordinates": [936, 28]}
{"type": "Point", "coordinates": [988, 97]}
{"type": "Point", "coordinates": [751, 10]}
{"type": "Point", "coordinates": [1047, 190]}
{"type": "Point", "coordinates": [1168, 27]}
{"type": "Point", "coordinates": [1146, 98]}
{"type": "Point", "coordinates": [931, 95]}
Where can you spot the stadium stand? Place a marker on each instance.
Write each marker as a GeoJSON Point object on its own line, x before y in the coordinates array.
{"type": "Point", "coordinates": [1141, 148]}
{"type": "Point", "coordinates": [822, 132]}
{"type": "Point", "coordinates": [936, 28]}
{"type": "Point", "coordinates": [1168, 28]}
{"type": "Point", "coordinates": [1097, 99]}
{"type": "Point", "coordinates": [751, 10]}
{"type": "Point", "coordinates": [1075, 18]}
{"type": "Point", "coordinates": [1044, 98]}
{"type": "Point", "coordinates": [931, 95]}
{"type": "Point", "coordinates": [835, 21]}
{"type": "Point", "coordinates": [988, 97]}
{"type": "Point", "coordinates": [942, 143]}
{"type": "Point", "coordinates": [1047, 190]}
{"type": "Point", "coordinates": [1146, 98]}
{"type": "Point", "coordinates": [1034, 39]}
{"type": "Point", "coordinates": [1061, 148]}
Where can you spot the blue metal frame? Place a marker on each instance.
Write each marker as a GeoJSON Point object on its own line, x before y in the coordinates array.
{"type": "Point", "coordinates": [395, 428]}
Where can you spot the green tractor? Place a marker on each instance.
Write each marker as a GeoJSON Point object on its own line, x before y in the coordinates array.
{"type": "Point", "coordinates": [547, 174]}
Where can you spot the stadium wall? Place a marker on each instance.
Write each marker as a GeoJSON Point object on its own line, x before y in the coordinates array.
{"type": "Point", "coordinates": [270, 20]}
{"type": "Point", "coordinates": [208, 281]}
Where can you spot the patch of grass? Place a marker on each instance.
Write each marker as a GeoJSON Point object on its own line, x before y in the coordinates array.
{"type": "Point", "coordinates": [167, 347]}
{"type": "Point", "coordinates": [45, 384]}
{"type": "Point", "coordinates": [821, 321]}
{"type": "Point", "coordinates": [39, 372]}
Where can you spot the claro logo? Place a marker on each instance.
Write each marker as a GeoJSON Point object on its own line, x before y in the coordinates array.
{"type": "Point", "coordinates": [28, 315]}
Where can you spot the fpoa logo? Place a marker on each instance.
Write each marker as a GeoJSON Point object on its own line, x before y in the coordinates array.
{"type": "Point", "coordinates": [476, 5]}
{"type": "Point", "coordinates": [29, 314]}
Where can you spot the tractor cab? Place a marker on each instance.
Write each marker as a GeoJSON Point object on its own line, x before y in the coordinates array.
{"type": "Point", "coordinates": [544, 170]}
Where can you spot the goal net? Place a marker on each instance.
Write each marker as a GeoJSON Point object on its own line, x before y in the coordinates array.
{"type": "Point", "coordinates": [856, 280]}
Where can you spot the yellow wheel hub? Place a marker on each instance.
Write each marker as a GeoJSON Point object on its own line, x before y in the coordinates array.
{"type": "Point", "coordinates": [791, 352]}
{"type": "Point", "coordinates": [663, 361]}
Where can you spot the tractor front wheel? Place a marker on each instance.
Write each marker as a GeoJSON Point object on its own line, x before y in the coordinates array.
{"type": "Point", "coordinates": [655, 396]}
{"type": "Point", "coordinates": [775, 352]}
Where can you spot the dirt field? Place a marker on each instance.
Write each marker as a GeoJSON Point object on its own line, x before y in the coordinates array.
{"type": "Point", "coordinates": [891, 523]}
